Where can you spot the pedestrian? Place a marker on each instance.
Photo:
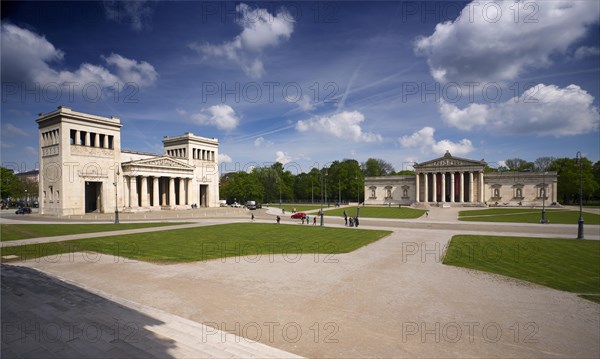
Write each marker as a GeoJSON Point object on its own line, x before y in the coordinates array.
{"type": "Point", "coordinates": [302, 218]}
{"type": "Point", "coordinates": [345, 219]}
{"type": "Point", "coordinates": [252, 217]}
{"type": "Point", "coordinates": [307, 219]}
{"type": "Point", "coordinates": [426, 214]}
{"type": "Point", "coordinates": [345, 215]}
{"type": "Point", "coordinates": [278, 219]}
{"type": "Point", "coordinates": [356, 222]}
{"type": "Point", "coordinates": [351, 222]}
{"type": "Point", "coordinates": [314, 221]}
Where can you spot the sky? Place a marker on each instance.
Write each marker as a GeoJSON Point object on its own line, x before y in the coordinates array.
{"type": "Point", "coordinates": [310, 82]}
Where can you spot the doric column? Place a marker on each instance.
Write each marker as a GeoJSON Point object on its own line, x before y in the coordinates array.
{"type": "Point", "coordinates": [77, 137]}
{"type": "Point", "coordinates": [452, 187]}
{"type": "Point", "coordinates": [554, 195]}
{"type": "Point", "coordinates": [97, 140]}
{"type": "Point", "coordinates": [144, 192]}
{"type": "Point", "coordinates": [426, 175]}
{"type": "Point", "coordinates": [443, 187]}
{"type": "Point", "coordinates": [182, 191]}
{"type": "Point", "coordinates": [481, 188]}
{"type": "Point", "coordinates": [155, 192]}
{"type": "Point", "coordinates": [461, 188]}
{"type": "Point", "coordinates": [171, 191]}
{"type": "Point", "coordinates": [125, 191]}
{"type": "Point", "coordinates": [470, 194]}
{"type": "Point", "coordinates": [87, 139]}
{"type": "Point", "coordinates": [164, 192]}
{"type": "Point", "coordinates": [417, 188]}
{"type": "Point", "coordinates": [133, 195]}
{"type": "Point", "coordinates": [434, 186]}
{"type": "Point", "coordinates": [105, 142]}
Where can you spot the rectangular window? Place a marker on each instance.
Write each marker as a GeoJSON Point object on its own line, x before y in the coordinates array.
{"type": "Point", "coordinates": [110, 142]}
{"type": "Point", "coordinates": [72, 135]}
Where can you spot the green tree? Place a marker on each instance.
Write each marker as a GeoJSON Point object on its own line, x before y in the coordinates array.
{"type": "Point", "coordinates": [12, 187]}
{"type": "Point", "coordinates": [376, 167]}
{"type": "Point", "coordinates": [568, 179]}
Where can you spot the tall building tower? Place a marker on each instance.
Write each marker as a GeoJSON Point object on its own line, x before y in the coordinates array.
{"type": "Point", "coordinates": [79, 162]}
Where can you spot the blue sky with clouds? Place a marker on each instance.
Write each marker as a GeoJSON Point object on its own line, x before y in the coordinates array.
{"type": "Point", "coordinates": [310, 82]}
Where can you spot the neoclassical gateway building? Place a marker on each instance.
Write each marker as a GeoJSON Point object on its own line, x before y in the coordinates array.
{"type": "Point", "coordinates": [456, 181]}
{"type": "Point", "coordinates": [83, 168]}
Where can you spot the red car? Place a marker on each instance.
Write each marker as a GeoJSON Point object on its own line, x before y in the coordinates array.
{"type": "Point", "coordinates": [299, 215]}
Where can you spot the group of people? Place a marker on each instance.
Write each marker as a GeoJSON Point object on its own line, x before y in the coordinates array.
{"type": "Point", "coordinates": [307, 219]}
{"type": "Point", "coordinates": [350, 221]}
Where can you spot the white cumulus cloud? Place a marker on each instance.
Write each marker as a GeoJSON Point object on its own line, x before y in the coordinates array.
{"type": "Point", "coordinates": [260, 142]}
{"type": "Point", "coordinates": [220, 116]}
{"type": "Point", "coordinates": [543, 110]}
{"type": "Point", "coordinates": [27, 56]}
{"type": "Point", "coordinates": [282, 157]}
{"type": "Point", "coordinates": [345, 125]}
{"type": "Point", "coordinates": [223, 158]}
{"type": "Point", "coordinates": [260, 30]}
{"type": "Point", "coordinates": [499, 40]}
{"type": "Point", "coordinates": [424, 140]}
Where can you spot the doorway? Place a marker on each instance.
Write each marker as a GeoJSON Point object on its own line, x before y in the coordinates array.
{"type": "Point", "coordinates": [203, 195]}
{"type": "Point", "coordinates": [93, 196]}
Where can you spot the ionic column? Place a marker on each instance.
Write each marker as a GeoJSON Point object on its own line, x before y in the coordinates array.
{"type": "Point", "coordinates": [452, 187]}
{"type": "Point", "coordinates": [182, 191]}
{"type": "Point", "coordinates": [163, 198]}
{"type": "Point", "coordinates": [171, 191]}
{"type": "Point", "coordinates": [97, 140]}
{"type": "Point", "coordinates": [133, 195]}
{"type": "Point", "coordinates": [461, 188]}
{"type": "Point", "coordinates": [554, 195]}
{"type": "Point", "coordinates": [155, 193]}
{"type": "Point", "coordinates": [77, 137]}
{"type": "Point", "coordinates": [443, 187]}
{"type": "Point", "coordinates": [105, 142]}
{"type": "Point", "coordinates": [434, 186]}
{"type": "Point", "coordinates": [188, 191]}
{"type": "Point", "coordinates": [471, 187]}
{"type": "Point", "coordinates": [426, 175]}
{"type": "Point", "coordinates": [481, 188]}
{"type": "Point", "coordinates": [417, 188]}
{"type": "Point", "coordinates": [87, 139]}
{"type": "Point", "coordinates": [144, 192]}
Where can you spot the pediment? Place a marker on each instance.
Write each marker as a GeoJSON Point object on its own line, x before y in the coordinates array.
{"type": "Point", "coordinates": [159, 162]}
{"type": "Point", "coordinates": [449, 161]}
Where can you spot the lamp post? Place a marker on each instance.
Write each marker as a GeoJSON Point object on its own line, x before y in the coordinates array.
{"type": "Point", "coordinates": [340, 192]}
{"type": "Point", "coordinates": [357, 197]}
{"type": "Point", "coordinates": [116, 200]}
{"type": "Point", "coordinates": [322, 198]}
{"type": "Point", "coordinates": [543, 196]}
{"type": "Point", "coordinates": [26, 204]}
{"type": "Point", "coordinates": [580, 222]}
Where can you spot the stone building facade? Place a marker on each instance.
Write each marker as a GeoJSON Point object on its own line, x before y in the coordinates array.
{"type": "Point", "coordinates": [462, 182]}
{"type": "Point", "coordinates": [83, 169]}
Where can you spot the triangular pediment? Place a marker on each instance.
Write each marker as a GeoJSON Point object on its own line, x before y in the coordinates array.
{"type": "Point", "coordinates": [159, 162]}
{"type": "Point", "coordinates": [448, 160]}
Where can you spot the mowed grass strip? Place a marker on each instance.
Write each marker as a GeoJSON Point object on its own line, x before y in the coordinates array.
{"type": "Point", "coordinates": [13, 232]}
{"type": "Point", "coordinates": [527, 215]}
{"type": "Point", "coordinates": [378, 212]}
{"type": "Point", "coordinates": [564, 264]}
{"type": "Point", "coordinates": [299, 207]}
{"type": "Point", "coordinates": [211, 242]}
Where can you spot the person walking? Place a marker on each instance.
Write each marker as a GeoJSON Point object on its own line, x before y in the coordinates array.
{"type": "Point", "coordinates": [356, 222]}
{"type": "Point", "coordinates": [252, 217]}
{"type": "Point", "coordinates": [314, 221]}
{"type": "Point", "coordinates": [307, 219]}
{"type": "Point", "coordinates": [278, 219]}
{"type": "Point", "coordinates": [345, 219]}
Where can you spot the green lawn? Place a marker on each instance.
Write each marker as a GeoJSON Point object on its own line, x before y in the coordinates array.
{"type": "Point", "coordinates": [378, 212]}
{"type": "Point", "coordinates": [12, 232]}
{"type": "Point", "coordinates": [212, 242]}
{"type": "Point", "coordinates": [527, 215]}
{"type": "Point", "coordinates": [563, 264]}
{"type": "Point", "coordinates": [299, 207]}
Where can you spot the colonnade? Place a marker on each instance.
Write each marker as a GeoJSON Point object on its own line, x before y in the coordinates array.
{"type": "Point", "coordinates": [450, 187]}
{"type": "Point", "coordinates": [152, 191]}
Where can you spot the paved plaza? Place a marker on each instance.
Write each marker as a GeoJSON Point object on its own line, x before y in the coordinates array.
{"type": "Point", "coordinates": [392, 298]}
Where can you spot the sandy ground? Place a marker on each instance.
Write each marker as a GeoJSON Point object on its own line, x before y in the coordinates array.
{"type": "Point", "coordinates": [392, 298]}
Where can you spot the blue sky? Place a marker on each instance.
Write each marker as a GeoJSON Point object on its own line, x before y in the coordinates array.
{"type": "Point", "coordinates": [306, 83]}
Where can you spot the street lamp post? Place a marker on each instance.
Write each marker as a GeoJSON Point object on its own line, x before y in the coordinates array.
{"type": "Point", "coordinates": [116, 200]}
{"type": "Point", "coordinates": [580, 222]}
{"type": "Point", "coordinates": [357, 197]}
{"type": "Point", "coordinates": [543, 196]}
{"type": "Point", "coordinates": [26, 201]}
{"type": "Point", "coordinates": [340, 192]}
